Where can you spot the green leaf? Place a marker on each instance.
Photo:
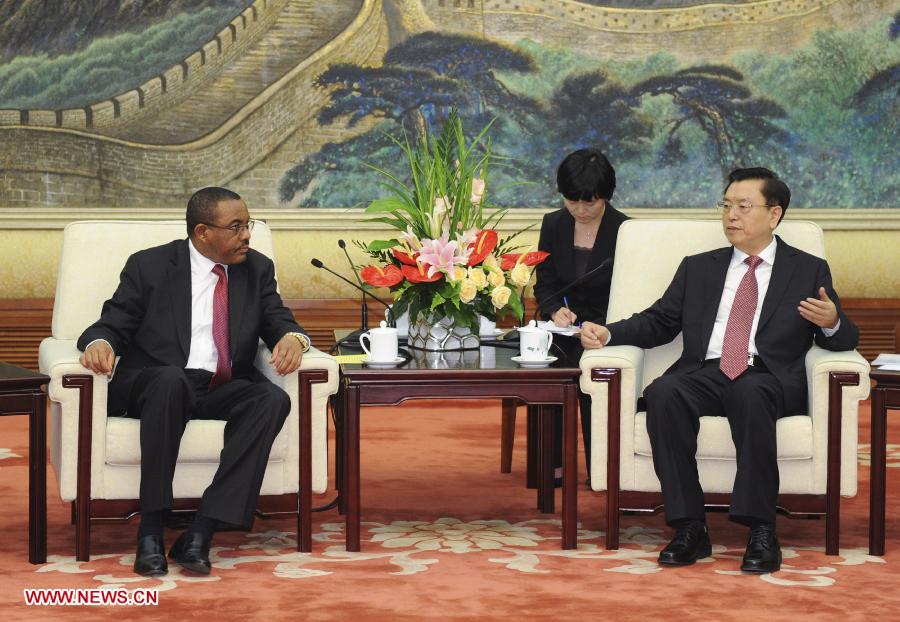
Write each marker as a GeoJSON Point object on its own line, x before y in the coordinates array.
{"type": "Point", "coordinates": [396, 223]}
{"type": "Point", "coordinates": [386, 204]}
{"type": "Point", "coordinates": [436, 301]}
{"type": "Point", "coordinates": [515, 305]}
{"type": "Point", "coordinates": [380, 245]}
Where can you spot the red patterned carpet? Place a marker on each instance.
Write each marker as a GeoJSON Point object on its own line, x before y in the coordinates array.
{"type": "Point", "coordinates": [446, 536]}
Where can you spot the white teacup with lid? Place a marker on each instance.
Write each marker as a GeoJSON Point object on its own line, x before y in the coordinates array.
{"type": "Point", "coordinates": [382, 343]}
{"type": "Point", "coordinates": [534, 342]}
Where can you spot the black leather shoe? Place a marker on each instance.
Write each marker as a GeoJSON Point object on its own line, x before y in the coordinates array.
{"type": "Point", "coordinates": [191, 552]}
{"type": "Point", "coordinates": [763, 553]}
{"type": "Point", "coordinates": [691, 542]}
{"type": "Point", "coordinates": [150, 559]}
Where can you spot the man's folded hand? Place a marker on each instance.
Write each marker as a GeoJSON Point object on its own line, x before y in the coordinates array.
{"type": "Point", "coordinates": [99, 358]}
{"type": "Point", "coordinates": [593, 336]}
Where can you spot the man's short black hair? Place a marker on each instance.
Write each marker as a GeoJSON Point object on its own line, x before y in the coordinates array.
{"type": "Point", "coordinates": [775, 191]}
{"type": "Point", "coordinates": [586, 175]}
{"type": "Point", "coordinates": [201, 208]}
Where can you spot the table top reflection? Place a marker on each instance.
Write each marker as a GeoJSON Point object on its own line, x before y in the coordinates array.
{"type": "Point", "coordinates": [491, 356]}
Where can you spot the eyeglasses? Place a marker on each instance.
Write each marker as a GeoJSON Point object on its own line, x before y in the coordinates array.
{"type": "Point", "coordinates": [235, 229]}
{"type": "Point", "coordinates": [743, 207]}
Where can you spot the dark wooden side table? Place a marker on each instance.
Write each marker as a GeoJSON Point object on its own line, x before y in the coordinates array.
{"type": "Point", "coordinates": [21, 394]}
{"type": "Point", "coordinates": [885, 396]}
{"type": "Point", "coordinates": [478, 374]}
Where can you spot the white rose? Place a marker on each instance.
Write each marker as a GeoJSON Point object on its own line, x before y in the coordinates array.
{"type": "Point", "coordinates": [467, 290]}
{"type": "Point", "coordinates": [500, 296]}
{"type": "Point", "coordinates": [496, 279]}
{"type": "Point", "coordinates": [490, 262]}
{"type": "Point", "coordinates": [458, 273]}
{"type": "Point", "coordinates": [478, 277]}
{"type": "Point", "coordinates": [520, 274]}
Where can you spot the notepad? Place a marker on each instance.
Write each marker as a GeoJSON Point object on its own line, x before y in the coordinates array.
{"type": "Point", "coordinates": [888, 362]}
{"type": "Point", "coordinates": [350, 358]}
{"type": "Point", "coordinates": [568, 331]}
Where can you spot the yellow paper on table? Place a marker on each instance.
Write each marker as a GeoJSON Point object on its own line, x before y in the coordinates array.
{"type": "Point", "coordinates": [350, 358]}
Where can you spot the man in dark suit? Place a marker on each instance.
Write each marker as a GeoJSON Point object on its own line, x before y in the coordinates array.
{"type": "Point", "coordinates": [186, 320]}
{"type": "Point", "coordinates": [748, 314]}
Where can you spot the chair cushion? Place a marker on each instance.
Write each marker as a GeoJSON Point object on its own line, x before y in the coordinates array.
{"type": "Point", "coordinates": [202, 442]}
{"type": "Point", "coordinates": [793, 436]}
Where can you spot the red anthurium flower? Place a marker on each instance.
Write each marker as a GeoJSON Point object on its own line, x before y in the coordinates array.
{"type": "Point", "coordinates": [419, 274]}
{"type": "Point", "coordinates": [533, 258]}
{"type": "Point", "coordinates": [388, 276]}
{"type": "Point", "coordinates": [404, 258]}
{"type": "Point", "coordinates": [484, 243]}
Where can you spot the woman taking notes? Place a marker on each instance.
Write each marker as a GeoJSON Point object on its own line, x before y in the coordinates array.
{"type": "Point", "coordinates": [580, 238]}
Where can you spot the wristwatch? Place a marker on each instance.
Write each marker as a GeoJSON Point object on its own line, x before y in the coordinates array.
{"type": "Point", "coordinates": [303, 339]}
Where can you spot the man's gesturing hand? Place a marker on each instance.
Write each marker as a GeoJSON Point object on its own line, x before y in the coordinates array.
{"type": "Point", "coordinates": [820, 311]}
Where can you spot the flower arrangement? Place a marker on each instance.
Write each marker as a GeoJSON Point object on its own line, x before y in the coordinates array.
{"type": "Point", "coordinates": [447, 260]}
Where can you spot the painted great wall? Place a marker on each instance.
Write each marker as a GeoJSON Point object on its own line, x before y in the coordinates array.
{"type": "Point", "coordinates": [241, 110]}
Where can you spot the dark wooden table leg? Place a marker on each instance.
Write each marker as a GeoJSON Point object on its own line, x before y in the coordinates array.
{"type": "Point", "coordinates": [37, 480]}
{"type": "Point", "coordinates": [532, 450]}
{"type": "Point", "coordinates": [507, 434]}
{"type": "Point", "coordinates": [878, 472]}
{"type": "Point", "coordinates": [570, 469]}
{"type": "Point", "coordinates": [546, 491]}
{"type": "Point", "coordinates": [351, 492]}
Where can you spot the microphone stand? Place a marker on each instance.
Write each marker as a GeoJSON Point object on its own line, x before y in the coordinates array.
{"type": "Point", "coordinates": [352, 340]}
{"type": "Point", "coordinates": [364, 319]}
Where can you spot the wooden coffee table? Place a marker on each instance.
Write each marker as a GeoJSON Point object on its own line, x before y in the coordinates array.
{"type": "Point", "coordinates": [21, 393]}
{"type": "Point", "coordinates": [477, 374]}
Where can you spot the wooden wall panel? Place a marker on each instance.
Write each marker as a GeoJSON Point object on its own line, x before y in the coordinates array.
{"type": "Point", "coordinates": [25, 322]}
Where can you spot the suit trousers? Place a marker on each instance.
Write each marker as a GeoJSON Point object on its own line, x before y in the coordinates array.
{"type": "Point", "coordinates": [166, 398]}
{"type": "Point", "coordinates": [752, 402]}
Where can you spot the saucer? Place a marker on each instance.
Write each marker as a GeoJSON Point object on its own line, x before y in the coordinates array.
{"type": "Point", "coordinates": [490, 334]}
{"type": "Point", "coordinates": [383, 364]}
{"type": "Point", "coordinates": [544, 362]}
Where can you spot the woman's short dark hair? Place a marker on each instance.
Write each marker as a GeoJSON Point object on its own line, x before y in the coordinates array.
{"type": "Point", "coordinates": [586, 175]}
{"type": "Point", "coordinates": [774, 191]}
{"type": "Point", "coordinates": [201, 208]}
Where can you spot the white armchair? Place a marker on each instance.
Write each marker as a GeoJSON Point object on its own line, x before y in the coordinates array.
{"type": "Point", "coordinates": [97, 459]}
{"type": "Point", "coordinates": [816, 453]}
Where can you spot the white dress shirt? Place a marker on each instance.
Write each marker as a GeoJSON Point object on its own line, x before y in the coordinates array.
{"type": "Point", "coordinates": [736, 271]}
{"type": "Point", "coordinates": [203, 353]}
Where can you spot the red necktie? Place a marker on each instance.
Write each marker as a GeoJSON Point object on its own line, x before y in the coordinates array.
{"type": "Point", "coordinates": [736, 344]}
{"type": "Point", "coordinates": [220, 329]}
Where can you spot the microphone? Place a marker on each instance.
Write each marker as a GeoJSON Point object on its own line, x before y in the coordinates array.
{"type": "Point", "coordinates": [318, 264]}
{"type": "Point", "coordinates": [605, 265]}
{"type": "Point", "coordinates": [364, 320]}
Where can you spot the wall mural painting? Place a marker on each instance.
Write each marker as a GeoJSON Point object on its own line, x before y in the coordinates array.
{"type": "Point", "coordinates": [136, 104]}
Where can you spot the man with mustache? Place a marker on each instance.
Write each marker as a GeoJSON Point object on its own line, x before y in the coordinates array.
{"type": "Point", "coordinates": [186, 320]}
{"type": "Point", "coordinates": [748, 313]}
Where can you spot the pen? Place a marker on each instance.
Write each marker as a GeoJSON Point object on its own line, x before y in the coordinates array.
{"type": "Point", "coordinates": [566, 302]}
